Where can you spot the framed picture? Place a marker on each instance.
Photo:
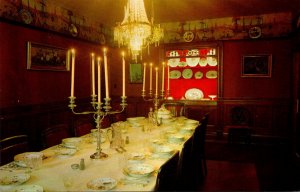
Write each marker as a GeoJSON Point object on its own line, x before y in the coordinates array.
{"type": "Point", "coordinates": [257, 65]}
{"type": "Point", "coordinates": [136, 73]}
{"type": "Point", "coordinates": [46, 57]}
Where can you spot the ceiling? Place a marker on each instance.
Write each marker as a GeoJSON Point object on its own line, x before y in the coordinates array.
{"type": "Point", "coordinates": [109, 12]}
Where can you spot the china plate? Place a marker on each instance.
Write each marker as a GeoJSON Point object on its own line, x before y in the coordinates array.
{"type": "Point", "coordinates": [17, 178]}
{"type": "Point", "coordinates": [182, 64]}
{"type": "Point", "coordinates": [173, 62]}
{"type": "Point", "coordinates": [139, 170]}
{"type": "Point", "coordinates": [163, 150]}
{"type": "Point", "coordinates": [135, 119]}
{"type": "Point", "coordinates": [66, 151]}
{"type": "Point", "coordinates": [193, 94]}
{"type": "Point", "coordinates": [211, 61]}
{"type": "Point", "coordinates": [29, 188]}
{"type": "Point", "coordinates": [211, 74]}
{"type": "Point", "coordinates": [203, 62]}
{"type": "Point", "coordinates": [21, 158]}
{"type": "Point", "coordinates": [198, 75]}
{"type": "Point", "coordinates": [187, 73]}
{"type": "Point", "coordinates": [102, 184]}
{"type": "Point", "coordinates": [175, 74]}
{"type": "Point", "coordinates": [136, 156]}
{"type": "Point", "coordinates": [192, 61]}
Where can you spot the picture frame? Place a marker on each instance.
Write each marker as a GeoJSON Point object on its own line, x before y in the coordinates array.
{"type": "Point", "coordinates": [135, 73]}
{"type": "Point", "coordinates": [257, 65]}
{"type": "Point", "coordinates": [47, 57]}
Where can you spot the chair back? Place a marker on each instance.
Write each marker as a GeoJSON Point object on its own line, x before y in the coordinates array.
{"type": "Point", "coordinates": [176, 108]}
{"type": "Point", "coordinates": [11, 146]}
{"type": "Point", "coordinates": [167, 174]}
{"type": "Point", "coordinates": [54, 135]}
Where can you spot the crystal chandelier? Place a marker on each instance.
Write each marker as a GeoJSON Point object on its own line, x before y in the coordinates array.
{"type": "Point", "coordinates": [135, 30]}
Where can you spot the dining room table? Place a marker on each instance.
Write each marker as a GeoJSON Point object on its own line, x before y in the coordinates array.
{"type": "Point", "coordinates": [132, 165]}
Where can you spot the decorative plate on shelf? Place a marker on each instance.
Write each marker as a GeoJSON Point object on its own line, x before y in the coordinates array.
{"type": "Point", "coordinates": [203, 61]}
{"type": "Point", "coordinates": [173, 62]}
{"type": "Point", "coordinates": [193, 94]}
{"type": "Point", "coordinates": [187, 73]}
{"type": "Point", "coordinates": [182, 64]}
{"type": "Point", "coordinates": [212, 61]}
{"type": "Point", "coordinates": [175, 74]}
{"type": "Point", "coordinates": [102, 184]}
{"type": "Point", "coordinates": [193, 52]}
{"type": "Point", "coordinates": [192, 61]}
{"type": "Point", "coordinates": [198, 75]}
{"type": "Point", "coordinates": [212, 74]}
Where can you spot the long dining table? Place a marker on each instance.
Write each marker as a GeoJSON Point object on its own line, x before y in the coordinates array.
{"type": "Point", "coordinates": [140, 138]}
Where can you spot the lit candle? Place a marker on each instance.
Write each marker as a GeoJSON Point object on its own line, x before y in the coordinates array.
{"type": "Point", "coordinates": [163, 77]}
{"type": "Point", "coordinates": [93, 73]}
{"type": "Point", "coordinates": [105, 73]}
{"type": "Point", "coordinates": [99, 79]}
{"type": "Point", "coordinates": [150, 77]}
{"type": "Point", "coordinates": [73, 71]}
{"type": "Point", "coordinates": [168, 70]}
{"type": "Point", "coordinates": [156, 80]}
{"type": "Point", "coordinates": [144, 78]}
{"type": "Point", "coordinates": [123, 70]}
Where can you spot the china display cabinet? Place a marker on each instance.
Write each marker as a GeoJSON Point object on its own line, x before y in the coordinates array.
{"type": "Point", "coordinates": [195, 76]}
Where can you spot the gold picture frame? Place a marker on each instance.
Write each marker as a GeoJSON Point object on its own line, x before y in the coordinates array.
{"type": "Point", "coordinates": [47, 57]}
{"type": "Point", "coordinates": [257, 65]}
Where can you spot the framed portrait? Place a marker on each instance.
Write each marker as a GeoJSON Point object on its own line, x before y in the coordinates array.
{"type": "Point", "coordinates": [136, 73]}
{"type": "Point", "coordinates": [257, 65]}
{"type": "Point", "coordinates": [47, 57]}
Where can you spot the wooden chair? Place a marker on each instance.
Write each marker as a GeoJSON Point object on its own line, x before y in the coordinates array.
{"type": "Point", "coordinates": [240, 128]}
{"type": "Point", "coordinates": [176, 108]}
{"type": "Point", "coordinates": [11, 146]}
{"type": "Point", "coordinates": [54, 135]}
{"type": "Point", "coordinates": [186, 171]}
{"type": "Point", "coordinates": [167, 174]}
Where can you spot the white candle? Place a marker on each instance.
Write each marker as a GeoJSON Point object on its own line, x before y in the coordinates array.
{"type": "Point", "coordinates": [93, 73]}
{"type": "Point", "coordinates": [73, 71]}
{"type": "Point", "coordinates": [144, 78]}
{"type": "Point", "coordinates": [156, 80]}
{"type": "Point", "coordinates": [99, 79]}
{"type": "Point", "coordinates": [105, 73]}
{"type": "Point", "coordinates": [168, 70]}
{"type": "Point", "coordinates": [163, 77]}
{"type": "Point", "coordinates": [123, 70]}
{"type": "Point", "coordinates": [150, 77]}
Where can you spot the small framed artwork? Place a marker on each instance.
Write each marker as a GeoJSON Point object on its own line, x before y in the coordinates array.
{"type": "Point", "coordinates": [257, 65]}
{"type": "Point", "coordinates": [47, 57]}
{"type": "Point", "coordinates": [136, 73]}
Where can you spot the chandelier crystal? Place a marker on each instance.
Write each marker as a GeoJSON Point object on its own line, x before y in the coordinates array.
{"type": "Point", "coordinates": [135, 31]}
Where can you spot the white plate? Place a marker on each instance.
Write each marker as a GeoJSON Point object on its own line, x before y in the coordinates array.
{"type": "Point", "coordinates": [203, 62]}
{"type": "Point", "coordinates": [135, 119]}
{"type": "Point", "coordinates": [193, 94]}
{"type": "Point", "coordinates": [102, 184]}
{"type": "Point", "coordinates": [139, 170]}
{"type": "Point", "coordinates": [29, 188]}
{"type": "Point", "coordinates": [175, 138]}
{"type": "Point", "coordinates": [163, 150]}
{"type": "Point", "coordinates": [22, 158]}
{"type": "Point", "coordinates": [187, 73]}
{"type": "Point", "coordinates": [136, 156]}
{"type": "Point", "coordinates": [12, 179]}
{"type": "Point", "coordinates": [192, 61]}
{"type": "Point", "coordinates": [66, 151]}
{"type": "Point", "coordinates": [175, 74]}
{"type": "Point", "coordinates": [173, 62]}
{"type": "Point", "coordinates": [193, 52]}
{"type": "Point", "coordinates": [211, 74]}
{"type": "Point", "coordinates": [198, 75]}
{"type": "Point", "coordinates": [212, 61]}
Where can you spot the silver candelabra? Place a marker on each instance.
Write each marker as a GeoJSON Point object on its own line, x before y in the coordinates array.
{"type": "Point", "coordinates": [99, 113]}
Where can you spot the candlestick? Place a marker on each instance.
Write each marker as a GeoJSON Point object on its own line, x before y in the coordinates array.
{"type": "Point", "coordinates": [150, 78]}
{"type": "Point", "coordinates": [156, 81]}
{"type": "Point", "coordinates": [99, 80]}
{"type": "Point", "coordinates": [123, 70]}
{"type": "Point", "coordinates": [93, 73]}
{"type": "Point", "coordinates": [105, 74]}
{"type": "Point", "coordinates": [163, 77]}
{"type": "Point", "coordinates": [144, 78]}
{"type": "Point", "coordinates": [73, 71]}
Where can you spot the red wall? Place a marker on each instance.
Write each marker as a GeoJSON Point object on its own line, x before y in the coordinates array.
{"type": "Point", "coordinates": [278, 86]}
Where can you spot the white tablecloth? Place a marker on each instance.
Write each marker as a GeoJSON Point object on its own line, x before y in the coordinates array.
{"type": "Point", "coordinates": [55, 167]}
